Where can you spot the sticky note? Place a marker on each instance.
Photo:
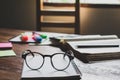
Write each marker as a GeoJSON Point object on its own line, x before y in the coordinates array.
{"type": "Point", "coordinates": [5, 45]}
{"type": "Point", "coordinates": [7, 53]}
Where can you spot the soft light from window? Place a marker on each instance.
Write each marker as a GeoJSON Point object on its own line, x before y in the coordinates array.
{"type": "Point", "coordinates": [101, 1]}
{"type": "Point", "coordinates": [86, 1]}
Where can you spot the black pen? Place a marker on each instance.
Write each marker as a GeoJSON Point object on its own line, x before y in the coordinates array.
{"type": "Point", "coordinates": [96, 46]}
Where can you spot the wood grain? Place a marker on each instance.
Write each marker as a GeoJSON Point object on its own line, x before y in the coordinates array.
{"type": "Point", "coordinates": [11, 67]}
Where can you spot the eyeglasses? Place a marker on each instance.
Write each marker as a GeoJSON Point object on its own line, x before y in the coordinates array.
{"type": "Point", "coordinates": [36, 58]}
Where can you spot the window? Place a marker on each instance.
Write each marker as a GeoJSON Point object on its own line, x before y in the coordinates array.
{"type": "Point", "coordinates": [59, 1]}
{"type": "Point", "coordinates": [86, 1]}
{"type": "Point", "coordinates": [101, 1]}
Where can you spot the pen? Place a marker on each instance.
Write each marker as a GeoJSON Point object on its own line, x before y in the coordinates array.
{"type": "Point", "coordinates": [96, 46]}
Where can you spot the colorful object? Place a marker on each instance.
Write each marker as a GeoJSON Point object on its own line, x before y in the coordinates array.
{"type": "Point", "coordinates": [37, 38]}
{"type": "Point", "coordinates": [32, 37]}
{"type": "Point", "coordinates": [24, 37]}
{"type": "Point", "coordinates": [43, 36]}
{"type": "Point", "coordinates": [6, 45]}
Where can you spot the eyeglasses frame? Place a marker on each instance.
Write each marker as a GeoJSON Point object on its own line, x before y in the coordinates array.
{"type": "Point", "coordinates": [68, 53]}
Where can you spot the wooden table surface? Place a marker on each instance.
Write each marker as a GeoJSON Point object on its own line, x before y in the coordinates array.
{"type": "Point", "coordinates": [11, 67]}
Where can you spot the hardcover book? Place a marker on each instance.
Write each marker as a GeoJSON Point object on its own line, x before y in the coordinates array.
{"type": "Point", "coordinates": [91, 50]}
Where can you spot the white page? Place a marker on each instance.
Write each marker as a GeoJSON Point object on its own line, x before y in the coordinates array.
{"type": "Point", "coordinates": [51, 34]}
{"type": "Point", "coordinates": [100, 70]}
{"type": "Point", "coordinates": [57, 35]}
{"type": "Point", "coordinates": [47, 71]}
{"type": "Point", "coordinates": [97, 42]}
{"type": "Point", "coordinates": [64, 36]}
{"type": "Point", "coordinates": [86, 37]}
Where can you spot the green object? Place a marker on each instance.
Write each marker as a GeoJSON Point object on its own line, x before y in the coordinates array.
{"type": "Point", "coordinates": [64, 0]}
{"type": "Point", "coordinates": [43, 36]}
{"type": "Point", "coordinates": [7, 53]}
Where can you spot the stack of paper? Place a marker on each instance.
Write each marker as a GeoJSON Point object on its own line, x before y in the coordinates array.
{"type": "Point", "coordinates": [98, 49]}
{"type": "Point", "coordinates": [86, 37]}
{"type": "Point", "coordinates": [90, 47]}
{"type": "Point", "coordinates": [100, 70]}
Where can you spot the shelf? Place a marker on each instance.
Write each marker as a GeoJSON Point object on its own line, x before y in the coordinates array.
{"type": "Point", "coordinates": [57, 24]}
{"type": "Point", "coordinates": [57, 12]}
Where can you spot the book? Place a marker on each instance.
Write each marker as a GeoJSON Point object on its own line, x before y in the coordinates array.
{"type": "Point", "coordinates": [86, 37]}
{"type": "Point", "coordinates": [47, 72]}
{"type": "Point", "coordinates": [90, 54]}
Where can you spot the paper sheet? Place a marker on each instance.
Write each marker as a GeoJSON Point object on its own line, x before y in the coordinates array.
{"type": "Point", "coordinates": [7, 53]}
{"type": "Point", "coordinates": [100, 70]}
{"type": "Point", "coordinates": [5, 45]}
{"type": "Point", "coordinates": [47, 71]}
{"type": "Point", "coordinates": [51, 34]}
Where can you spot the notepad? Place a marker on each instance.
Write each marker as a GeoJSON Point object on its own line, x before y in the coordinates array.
{"type": "Point", "coordinates": [6, 49]}
{"type": "Point", "coordinates": [4, 53]}
{"type": "Point", "coordinates": [5, 45]}
{"type": "Point", "coordinates": [47, 72]}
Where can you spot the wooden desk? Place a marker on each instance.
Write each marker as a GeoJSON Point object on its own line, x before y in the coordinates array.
{"type": "Point", "coordinates": [11, 67]}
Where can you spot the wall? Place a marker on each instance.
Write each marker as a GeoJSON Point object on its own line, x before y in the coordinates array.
{"type": "Point", "coordinates": [18, 14]}
{"type": "Point", "coordinates": [58, 19]}
{"type": "Point", "coordinates": [22, 14]}
{"type": "Point", "coordinates": [100, 20]}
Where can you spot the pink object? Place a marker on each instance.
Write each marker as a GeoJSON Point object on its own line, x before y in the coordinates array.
{"type": "Point", "coordinates": [5, 45]}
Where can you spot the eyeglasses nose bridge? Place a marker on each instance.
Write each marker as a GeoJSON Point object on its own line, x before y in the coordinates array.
{"type": "Point", "coordinates": [23, 56]}
{"type": "Point", "coordinates": [47, 56]}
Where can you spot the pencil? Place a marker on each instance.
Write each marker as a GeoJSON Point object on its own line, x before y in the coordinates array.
{"type": "Point", "coordinates": [96, 46]}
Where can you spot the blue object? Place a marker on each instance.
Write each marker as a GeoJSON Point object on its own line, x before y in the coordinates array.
{"type": "Point", "coordinates": [37, 38]}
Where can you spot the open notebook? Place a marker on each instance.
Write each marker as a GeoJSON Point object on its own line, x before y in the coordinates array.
{"type": "Point", "coordinates": [99, 53]}
{"type": "Point", "coordinates": [47, 72]}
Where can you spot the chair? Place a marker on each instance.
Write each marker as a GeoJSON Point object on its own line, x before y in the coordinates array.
{"type": "Point", "coordinates": [75, 13]}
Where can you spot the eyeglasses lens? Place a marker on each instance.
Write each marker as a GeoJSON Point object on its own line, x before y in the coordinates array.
{"type": "Point", "coordinates": [34, 61]}
{"type": "Point", "coordinates": [60, 61]}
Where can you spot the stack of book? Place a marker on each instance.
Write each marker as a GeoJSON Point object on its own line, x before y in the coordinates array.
{"type": "Point", "coordinates": [90, 48]}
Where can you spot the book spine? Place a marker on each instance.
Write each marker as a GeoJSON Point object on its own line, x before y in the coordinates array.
{"type": "Point", "coordinates": [103, 56]}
